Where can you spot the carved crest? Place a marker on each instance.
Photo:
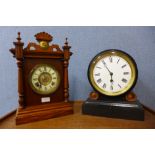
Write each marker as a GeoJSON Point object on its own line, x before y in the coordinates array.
{"type": "Point", "coordinates": [44, 39]}
{"type": "Point", "coordinates": [43, 36]}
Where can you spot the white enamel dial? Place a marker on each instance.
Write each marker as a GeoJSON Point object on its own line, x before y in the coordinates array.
{"type": "Point", "coordinates": [112, 74]}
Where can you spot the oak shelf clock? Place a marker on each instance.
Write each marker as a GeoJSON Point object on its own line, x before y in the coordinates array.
{"type": "Point", "coordinates": [43, 85]}
{"type": "Point", "coordinates": [113, 74]}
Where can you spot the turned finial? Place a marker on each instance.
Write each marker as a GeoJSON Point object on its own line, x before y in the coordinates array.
{"type": "Point", "coordinates": [66, 46]}
{"type": "Point", "coordinates": [19, 38]}
{"type": "Point", "coordinates": [66, 42]}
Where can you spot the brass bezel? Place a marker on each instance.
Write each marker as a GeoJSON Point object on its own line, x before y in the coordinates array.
{"type": "Point", "coordinates": [119, 53]}
{"type": "Point", "coordinates": [42, 92]}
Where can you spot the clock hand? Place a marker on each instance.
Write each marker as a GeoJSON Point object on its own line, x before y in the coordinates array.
{"type": "Point", "coordinates": [111, 74]}
{"type": "Point", "coordinates": [111, 80]}
{"type": "Point", "coordinates": [108, 69]}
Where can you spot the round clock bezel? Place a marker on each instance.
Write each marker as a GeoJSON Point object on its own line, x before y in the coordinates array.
{"type": "Point", "coordinates": [113, 52]}
{"type": "Point", "coordinates": [41, 92]}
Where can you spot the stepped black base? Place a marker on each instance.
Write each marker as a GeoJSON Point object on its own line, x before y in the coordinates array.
{"type": "Point", "coordinates": [115, 109]}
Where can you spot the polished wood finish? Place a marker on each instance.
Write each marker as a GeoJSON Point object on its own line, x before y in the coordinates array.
{"type": "Point", "coordinates": [44, 36]}
{"type": "Point", "coordinates": [66, 49]}
{"type": "Point", "coordinates": [93, 96]}
{"type": "Point", "coordinates": [7, 115]}
{"type": "Point", "coordinates": [149, 109]}
{"type": "Point", "coordinates": [131, 96]}
{"type": "Point", "coordinates": [79, 121]}
{"type": "Point", "coordinates": [35, 98]}
{"type": "Point", "coordinates": [19, 56]}
{"type": "Point", "coordinates": [42, 112]}
{"type": "Point", "coordinates": [27, 58]}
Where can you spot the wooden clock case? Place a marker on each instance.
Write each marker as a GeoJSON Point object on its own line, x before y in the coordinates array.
{"type": "Point", "coordinates": [31, 107]}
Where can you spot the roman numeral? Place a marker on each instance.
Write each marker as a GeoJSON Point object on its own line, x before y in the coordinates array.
{"type": "Point", "coordinates": [126, 73]}
{"type": "Point", "coordinates": [99, 81]}
{"type": "Point", "coordinates": [53, 83]}
{"type": "Point", "coordinates": [119, 85]}
{"type": "Point", "coordinates": [103, 62]}
{"type": "Point", "coordinates": [44, 68]}
{"type": "Point", "coordinates": [110, 58]}
{"type": "Point", "coordinates": [37, 84]}
{"type": "Point", "coordinates": [35, 79]}
{"type": "Point", "coordinates": [54, 78]}
{"type": "Point", "coordinates": [45, 88]}
{"type": "Point", "coordinates": [124, 80]}
{"type": "Point", "coordinates": [104, 85]}
{"type": "Point", "coordinates": [98, 67]}
{"type": "Point", "coordinates": [118, 61]}
{"type": "Point", "coordinates": [98, 74]}
{"type": "Point", "coordinates": [124, 66]}
{"type": "Point", "coordinates": [111, 87]}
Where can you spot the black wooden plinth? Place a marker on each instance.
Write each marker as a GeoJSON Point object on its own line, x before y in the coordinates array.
{"type": "Point", "coordinates": [115, 109]}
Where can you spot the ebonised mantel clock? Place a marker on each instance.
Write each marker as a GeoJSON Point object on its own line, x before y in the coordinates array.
{"type": "Point", "coordinates": [113, 74]}
{"type": "Point", "coordinates": [43, 85]}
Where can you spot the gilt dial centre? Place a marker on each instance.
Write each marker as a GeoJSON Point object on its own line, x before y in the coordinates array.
{"type": "Point", "coordinates": [45, 78]}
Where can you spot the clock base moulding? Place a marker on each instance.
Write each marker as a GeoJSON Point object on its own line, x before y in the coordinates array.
{"type": "Point", "coordinates": [127, 107]}
{"type": "Point", "coordinates": [42, 112]}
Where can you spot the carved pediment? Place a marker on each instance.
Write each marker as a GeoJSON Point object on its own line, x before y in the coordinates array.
{"type": "Point", "coordinates": [37, 48]}
{"type": "Point", "coordinates": [43, 45]}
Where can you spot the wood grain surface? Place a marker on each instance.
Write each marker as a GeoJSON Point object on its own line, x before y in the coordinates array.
{"type": "Point", "coordinates": [27, 59]}
{"type": "Point", "coordinates": [80, 121]}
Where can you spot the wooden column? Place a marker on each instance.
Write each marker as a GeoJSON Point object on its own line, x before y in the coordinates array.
{"type": "Point", "coordinates": [19, 56]}
{"type": "Point", "coordinates": [67, 54]}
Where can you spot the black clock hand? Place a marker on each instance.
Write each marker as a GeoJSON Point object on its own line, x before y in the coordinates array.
{"type": "Point", "coordinates": [111, 80]}
{"type": "Point", "coordinates": [107, 69]}
{"type": "Point", "coordinates": [111, 74]}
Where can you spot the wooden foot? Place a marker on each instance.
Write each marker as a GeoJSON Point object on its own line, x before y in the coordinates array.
{"type": "Point", "coordinates": [93, 96]}
{"type": "Point", "coordinates": [131, 96]}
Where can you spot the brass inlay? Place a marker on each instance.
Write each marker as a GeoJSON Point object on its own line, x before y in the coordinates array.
{"type": "Point", "coordinates": [44, 44]}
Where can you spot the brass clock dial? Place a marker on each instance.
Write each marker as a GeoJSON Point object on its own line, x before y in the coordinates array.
{"type": "Point", "coordinates": [44, 79]}
{"type": "Point", "coordinates": [112, 73]}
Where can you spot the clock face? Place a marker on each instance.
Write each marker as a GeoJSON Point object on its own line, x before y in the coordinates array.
{"type": "Point", "coordinates": [112, 72]}
{"type": "Point", "coordinates": [44, 79]}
